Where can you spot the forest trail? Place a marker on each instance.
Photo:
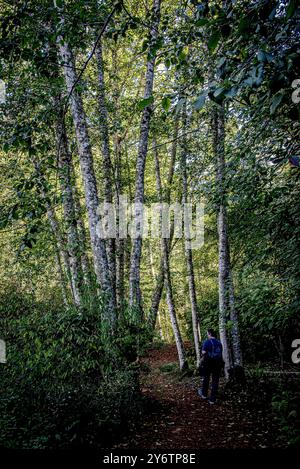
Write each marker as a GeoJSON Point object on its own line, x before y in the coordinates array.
{"type": "Point", "coordinates": [180, 419]}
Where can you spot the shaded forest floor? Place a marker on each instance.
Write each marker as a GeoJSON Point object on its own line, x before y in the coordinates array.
{"type": "Point", "coordinates": [178, 418]}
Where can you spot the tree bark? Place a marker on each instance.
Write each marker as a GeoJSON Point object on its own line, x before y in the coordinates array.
{"type": "Point", "coordinates": [187, 248]}
{"type": "Point", "coordinates": [120, 243]}
{"type": "Point", "coordinates": [134, 280]}
{"type": "Point", "coordinates": [64, 165]}
{"type": "Point", "coordinates": [83, 242]}
{"type": "Point", "coordinates": [85, 263]}
{"type": "Point", "coordinates": [60, 270]}
{"type": "Point", "coordinates": [226, 298]}
{"type": "Point", "coordinates": [59, 242]}
{"type": "Point", "coordinates": [107, 164]}
{"type": "Point", "coordinates": [156, 296]}
{"type": "Point", "coordinates": [154, 278]}
{"type": "Point", "coordinates": [117, 141]}
{"type": "Point", "coordinates": [167, 275]}
{"type": "Point", "coordinates": [235, 333]}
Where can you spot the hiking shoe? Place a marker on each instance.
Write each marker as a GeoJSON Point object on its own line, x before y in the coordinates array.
{"type": "Point", "coordinates": [201, 395]}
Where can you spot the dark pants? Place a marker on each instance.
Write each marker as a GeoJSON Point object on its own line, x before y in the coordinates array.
{"type": "Point", "coordinates": [215, 374]}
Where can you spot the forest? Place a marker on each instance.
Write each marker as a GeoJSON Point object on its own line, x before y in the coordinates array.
{"type": "Point", "coordinates": [149, 178]}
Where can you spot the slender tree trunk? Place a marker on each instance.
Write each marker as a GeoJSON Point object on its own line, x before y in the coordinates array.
{"type": "Point", "coordinates": [107, 165]}
{"type": "Point", "coordinates": [236, 353]}
{"type": "Point", "coordinates": [134, 289]}
{"type": "Point", "coordinates": [89, 180]}
{"type": "Point", "coordinates": [61, 252]}
{"type": "Point", "coordinates": [85, 263]}
{"type": "Point", "coordinates": [223, 289]}
{"type": "Point", "coordinates": [83, 243]}
{"type": "Point", "coordinates": [64, 164]}
{"type": "Point", "coordinates": [235, 333]}
{"type": "Point", "coordinates": [117, 140]}
{"type": "Point", "coordinates": [60, 270]}
{"type": "Point", "coordinates": [160, 331]}
{"type": "Point", "coordinates": [58, 237]}
{"type": "Point", "coordinates": [120, 243]}
{"type": "Point", "coordinates": [187, 248]}
{"type": "Point", "coordinates": [154, 277]}
{"type": "Point", "coordinates": [168, 281]}
{"type": "Point", "coordinates": [219, 149]}
{"type": "Point", "coordinates": [172, 312]}
{"type": "Point", "coordinates": [156, 296]}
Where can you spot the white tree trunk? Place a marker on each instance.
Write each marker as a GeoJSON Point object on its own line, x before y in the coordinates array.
{"type": "Point", "coordinates": [168, 281]}
{"type": "Point", "coordinates": [107, 165]}
{"type": "Point", "coordinates": [134, 280]}
{"type": "Point", "coordinates": [223, 288]}
{"type": "Point", "coordinates": [187, 249]}
{"type": "Point", "coordinates": [85, 263]}
{"type": "Point", "coordinates": [224, 314]}
{"type": "Point", "coordinates": [117, 140]}
{"type": "Point", "coordinates": [61, 273]}
{"type": "Point", "coordinates": [156, 296]}
{"type": "Point", "coordinates": [64, 164]}
{"type": "Point", "coordinates": [235, 333]}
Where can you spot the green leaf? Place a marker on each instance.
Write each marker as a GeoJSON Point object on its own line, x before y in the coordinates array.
{"type": "Point", "coordinates": [58, 3]}
{"type": "Point", "coordinates": [202, 22]}
{"type": "Point", "coordinates": [166, 103]}
{"type": "Point", "coordinates": [145, 102]}
{"type": "Point", "coordinates": [291, 9]}
{"type": "Point", "coordinates": [145, 45]}
{"type": "Point", "coordinates": [244, 25]}
{"type": "Point", "coordinates": [181, 55]}
{"type": "Point", "coordinates": [275, 102]}
{"type": "Point", "coordinates": [213, 40]}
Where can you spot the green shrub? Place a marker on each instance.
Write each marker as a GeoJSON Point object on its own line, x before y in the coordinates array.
{"type": "Point", "coordinates": [168, 367]}
{"type": "Point", "coordinates": [64, 384]}
{"type": "Point", "coordinates": [286, 406]}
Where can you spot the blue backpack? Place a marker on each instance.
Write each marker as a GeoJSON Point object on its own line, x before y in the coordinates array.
{"type": "Point", "coordinates": [216, 353]}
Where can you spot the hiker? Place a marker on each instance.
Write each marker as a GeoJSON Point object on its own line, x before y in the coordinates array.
{"type": "Point", "coordinates": [212, 364]}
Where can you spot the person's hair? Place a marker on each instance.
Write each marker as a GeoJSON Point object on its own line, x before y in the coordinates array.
{"type": "Point", "coordinates": [211, 332]}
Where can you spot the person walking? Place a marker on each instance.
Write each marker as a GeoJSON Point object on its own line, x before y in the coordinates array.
{"type": "Point", "coordinates": [212, 364]}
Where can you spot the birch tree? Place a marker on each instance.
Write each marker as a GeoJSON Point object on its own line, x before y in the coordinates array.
{"type": "Point", "coordinates": [159, 285]}
{"type": "Point", "coordinates": [107, 164]}
{"type": "Point", "coordinates": [62, 256]}
{"type": "Point", "coordinates": [134, 289]}
{"type": "Point", "coordinates": [64, 165]}
{"type": "Point", "coordinates": [167, 276]}
{"type": "Point", "coordinates": [187, 247]}
{"type": "Point", "coordinates": [226, 291]}
{"type": "Point", "coordinates": [83, 244]}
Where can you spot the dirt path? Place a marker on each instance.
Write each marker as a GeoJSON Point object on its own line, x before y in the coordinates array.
{"type": "Point", "coordinates": [179, 419]}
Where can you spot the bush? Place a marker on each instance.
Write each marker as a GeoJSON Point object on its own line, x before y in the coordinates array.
{"type": "Point", "coordinates": [286, 406]}
{"type": "Point", "coordinates": [277, 399]}
{"type": "Point", "coordinates": [169, 367]}
{"type": "Point", "coordinates": [64, 384]}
